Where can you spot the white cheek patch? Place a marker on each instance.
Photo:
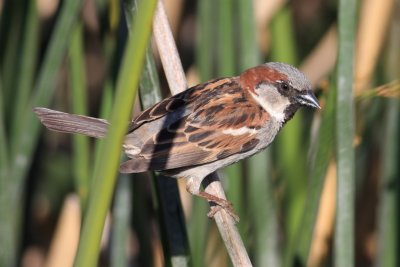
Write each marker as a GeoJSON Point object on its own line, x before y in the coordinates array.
{"type": "Point", "coordinates": [273, 104]}
{"type": "Point", "coordinates": [240, 131]}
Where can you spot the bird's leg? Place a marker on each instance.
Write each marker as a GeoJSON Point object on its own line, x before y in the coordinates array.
{"type": "Point", "coordinates": [193, 187]}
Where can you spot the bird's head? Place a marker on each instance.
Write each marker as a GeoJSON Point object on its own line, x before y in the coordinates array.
{"type": "Point", "coordinates": [279, 88]}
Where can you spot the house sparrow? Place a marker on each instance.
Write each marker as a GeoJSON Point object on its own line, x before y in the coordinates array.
{"type": "Point", "coordinates": [206, 127]}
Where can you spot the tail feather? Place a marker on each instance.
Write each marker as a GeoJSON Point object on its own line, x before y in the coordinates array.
{"type": "Point", "coordinates": [70, 123]}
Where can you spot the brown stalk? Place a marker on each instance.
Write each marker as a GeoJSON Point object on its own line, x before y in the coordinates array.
{"type": "Point", "coordinates": [320, 62]}
{"type": "Point", "coordinates": [264, 11]}
{"type": "Point", "coordinates": [374, 21]}
{"type": "Point", "coordinates": [177, 83]}
{"type": "Point", "coordinates": [325, 220]}
{"type": "Point", "coordinates": [65, 240]}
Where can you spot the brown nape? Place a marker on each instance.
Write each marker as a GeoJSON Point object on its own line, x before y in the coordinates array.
{"type": "Point", "coordinates": [251, 77]}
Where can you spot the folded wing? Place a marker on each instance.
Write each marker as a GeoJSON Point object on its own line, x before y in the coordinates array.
{"type": "Point", "coordinates": [220, 120]}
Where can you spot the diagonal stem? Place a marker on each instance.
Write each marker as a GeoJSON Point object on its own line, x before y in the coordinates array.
{"type": "Point", "coordinates": [177, 83]}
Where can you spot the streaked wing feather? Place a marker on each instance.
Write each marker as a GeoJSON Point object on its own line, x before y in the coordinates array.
{"type": "Point", "coordinates": [159, 110]}
{"type": "Point", "coordinates": [199, 138]}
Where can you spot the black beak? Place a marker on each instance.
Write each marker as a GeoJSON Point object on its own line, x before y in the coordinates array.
{"type": "Point", "coordinates": [308, 99]}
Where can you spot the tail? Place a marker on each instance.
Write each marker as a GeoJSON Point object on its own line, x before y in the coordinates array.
{"type": "Point", "coordinates": [70, 123]}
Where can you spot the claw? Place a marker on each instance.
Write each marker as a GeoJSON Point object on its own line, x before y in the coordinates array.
{"type": "Point", "coordinates": [219, 204]}
{"type": "Point", "coordinates": [193, 187]}
{"type": "Point", "coordinates": [229, 209]}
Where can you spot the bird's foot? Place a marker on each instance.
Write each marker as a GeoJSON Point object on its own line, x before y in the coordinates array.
{"type": "Point", "coordinates": [215, 209]}
{"type": "Point", "coordinates": [193, 187]}
{"type": "Point", "coordinates": [220, 204]}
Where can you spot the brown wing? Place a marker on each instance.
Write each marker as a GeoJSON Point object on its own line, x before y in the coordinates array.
{"type": "Point", "coordinates": [157, 111]}
{"type": "Point", "coordinates": [171, 104]}
{"type": "Point", "coordinates": [222, 123]}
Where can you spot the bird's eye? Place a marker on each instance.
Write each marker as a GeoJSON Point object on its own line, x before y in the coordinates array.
{"type": "Point", "coordinates": [284, 86]}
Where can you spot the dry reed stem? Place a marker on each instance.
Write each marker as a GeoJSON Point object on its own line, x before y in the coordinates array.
{"type": "Point", "coordinates": [374, 21]}
{"type": "Point", "coordinates": [168, 52]}
{"type": "Point", "coordinates": [322, 59]}
{"type": "Point", "coordinates": [263, 12]}
{"type": "Point", "coordinates": [174, 9]}
{"type": "Point", "coordinates": [177, 82]}
{"type": "Point", "coordinates": [65, 241]}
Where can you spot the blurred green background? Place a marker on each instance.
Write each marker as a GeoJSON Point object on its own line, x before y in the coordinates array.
{"type": "Point", "coordinates": [343, 160]}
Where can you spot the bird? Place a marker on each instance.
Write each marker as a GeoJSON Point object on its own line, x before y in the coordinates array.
{"type": "Point", "coordinates": [204, 128]}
